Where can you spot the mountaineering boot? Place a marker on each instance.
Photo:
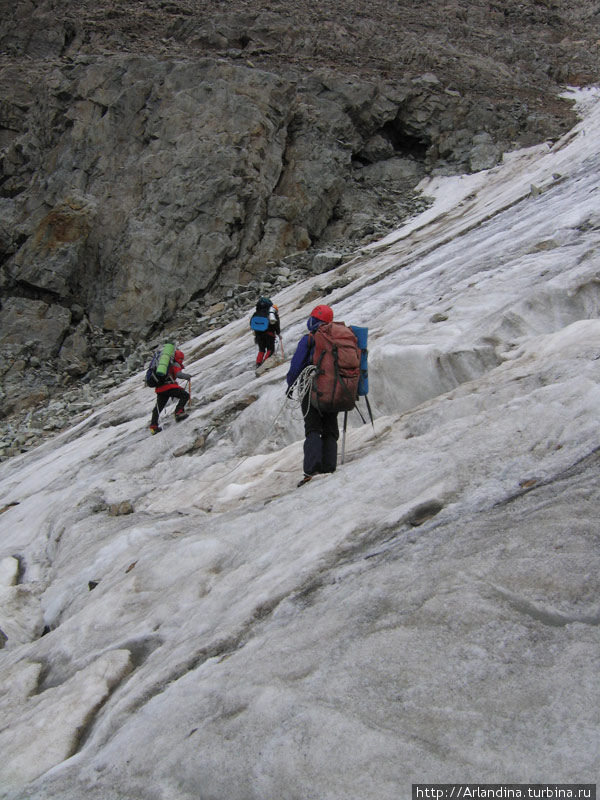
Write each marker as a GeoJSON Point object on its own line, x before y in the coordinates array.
{"type": "Point", "coordinates": [305, 479]}
{"type": "Point", "coordinates": [155, 429]}
{"type": "Point", "coordinates": [181, 415]}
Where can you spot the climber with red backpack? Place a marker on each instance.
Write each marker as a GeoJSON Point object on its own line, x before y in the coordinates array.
{"type": "Point", "coordinates": [330, 349]}
{"type": "Point", "coordinates": [167, 387]}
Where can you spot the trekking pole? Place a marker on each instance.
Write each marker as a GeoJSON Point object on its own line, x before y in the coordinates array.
{"type": "Point", "coordinates": [356, 408]}
{"type": "Point", "coordinates": [281, 343]}
{"type": "Point", "coordinates": [190, 392]}
{"type": "Point", "coordinates": [370, 412]}
{"type": "Point", "coordinates": [344, 436]}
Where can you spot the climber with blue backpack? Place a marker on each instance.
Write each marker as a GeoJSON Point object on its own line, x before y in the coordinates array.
{"type": "Point", "coordinates": [266, 326]}
{"type": "Point", "coordinates": [165, 369]}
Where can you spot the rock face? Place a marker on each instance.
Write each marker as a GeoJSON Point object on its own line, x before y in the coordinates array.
{"type": "Point", "coordinates": [153, 152]}
{"type": "Point", "coordinates": [19, 317]}
{"type": "Point", "coordinates": [163, 178]}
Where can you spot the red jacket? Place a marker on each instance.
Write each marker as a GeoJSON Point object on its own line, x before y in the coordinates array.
{"type": "Point", "coordinates": [175, 372]}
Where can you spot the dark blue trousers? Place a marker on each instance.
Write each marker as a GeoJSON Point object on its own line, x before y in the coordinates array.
{"type": "Point", "coordinates": [320, 445]}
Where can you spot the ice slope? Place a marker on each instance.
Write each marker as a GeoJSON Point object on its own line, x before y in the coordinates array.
{"type": "Point", "coordinates": [428, 613]}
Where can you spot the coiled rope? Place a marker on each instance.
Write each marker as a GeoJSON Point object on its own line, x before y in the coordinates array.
{"type": "Point", "coordinates": [300, 388]}
{"type": "Point", "coordinates": [303, 384]}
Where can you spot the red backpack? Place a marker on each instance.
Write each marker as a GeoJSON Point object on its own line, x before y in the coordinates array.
{"type": "Point", "coordinates": [337, 359]}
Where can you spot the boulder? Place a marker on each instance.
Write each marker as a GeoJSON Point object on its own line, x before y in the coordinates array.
{"type": "Point", "coordinates": [325, 261]}
{"type": "Point", "coordinates": [485, 153]}
{"type": "Point", "coordinates": [74, 355]}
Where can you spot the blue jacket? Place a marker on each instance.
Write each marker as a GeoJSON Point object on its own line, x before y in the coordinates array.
{"type": "Point", "coordinates": [304, 351]}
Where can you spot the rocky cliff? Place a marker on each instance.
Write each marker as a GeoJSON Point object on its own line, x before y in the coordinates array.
{"type": "Point", "coordinates": [159, 157]}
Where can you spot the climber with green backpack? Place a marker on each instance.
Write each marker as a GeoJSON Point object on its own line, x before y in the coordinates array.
{"type": "Point", "coordinates": [162, 375]}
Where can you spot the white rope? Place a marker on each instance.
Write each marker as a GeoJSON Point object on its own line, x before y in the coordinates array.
{"type": "Point", "coordinates": [301, 387]}
{"type": "Point", "coordinates": [303, 384]}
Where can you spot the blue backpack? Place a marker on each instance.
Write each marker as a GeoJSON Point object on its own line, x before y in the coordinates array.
{"type": "Point", "coordinates": [260, 319]}
{"type": "Point", "coordinates": [362, 335]}
{"type": "Point", "coordinates": [258, 323]}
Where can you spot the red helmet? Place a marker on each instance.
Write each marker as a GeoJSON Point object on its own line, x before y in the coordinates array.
{"type": "Point", "coordinates": [178, 356]}
{"type": "Point", "coordinates": [324, 313]}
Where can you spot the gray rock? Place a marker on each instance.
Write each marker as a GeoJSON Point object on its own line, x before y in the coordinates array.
{"type": "Point", "coordinates": [76, 408]}
{"type": "Point", "coordinates": [121, 509]}
{"type": "Point", "coordinates": [485, 154]}
{"type": "Point", "coordinates": [407, 171]}
{"type": "Point", "coordinates": [105, 355]}
{"type": "Point", "coordinates": [377, 148]}
{"type": "Point", "coordinates": [54, 254]}
{"type": "Point", "coordinates": [74, 355]}
{"type": "Point", "coordinates": [20, 319]}
{"type": "Point", "coordinates": [165, 205]}
{"type": "Point", "coordinates": [323, 262]}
